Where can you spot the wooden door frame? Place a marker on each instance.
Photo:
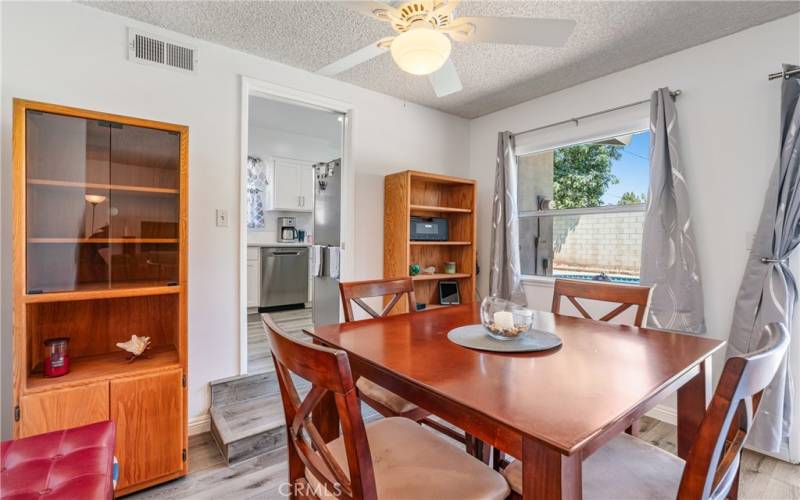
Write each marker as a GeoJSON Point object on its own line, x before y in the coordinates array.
{"type": "Point", "coordinates": [252, 86]}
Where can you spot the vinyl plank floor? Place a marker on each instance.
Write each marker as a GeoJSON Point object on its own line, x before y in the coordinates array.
{"type": "Point", "coordinates": [762, 478]}
{"type": "Point", "coordinates": [292, 322]}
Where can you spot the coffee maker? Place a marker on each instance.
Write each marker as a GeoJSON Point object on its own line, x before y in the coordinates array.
{"type": "Point", "coordinates": [287, 232]}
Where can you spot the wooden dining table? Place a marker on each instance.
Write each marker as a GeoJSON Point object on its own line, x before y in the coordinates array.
{"type": "Point", "coordinates": [550, 409]}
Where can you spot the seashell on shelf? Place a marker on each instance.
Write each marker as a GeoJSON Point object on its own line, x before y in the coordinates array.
{"type": "Point", "coordinates": [136, 345]}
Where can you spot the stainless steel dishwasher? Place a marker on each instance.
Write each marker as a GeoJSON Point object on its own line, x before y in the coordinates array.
{"type": "Point", "coordinates": [284, 276]}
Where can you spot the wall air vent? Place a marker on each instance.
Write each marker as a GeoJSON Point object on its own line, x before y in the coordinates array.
{"type": "Point", "coordinates": [148, 49]}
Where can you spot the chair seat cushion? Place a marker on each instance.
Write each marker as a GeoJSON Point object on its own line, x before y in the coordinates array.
{"type": "Point", "coordinates": [626, 467]}
{"type": "Point", "coordinates": [383, 396]}
{"type": "Point", "coordinates": [411, 463]}
{"type": "Point", "coordinates": [68, 464]}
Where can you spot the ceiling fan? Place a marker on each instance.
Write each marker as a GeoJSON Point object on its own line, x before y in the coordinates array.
{"type": "Point", "coordinates": [421, 47]}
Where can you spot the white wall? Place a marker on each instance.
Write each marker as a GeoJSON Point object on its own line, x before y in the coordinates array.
{"type": "Point", "coordinates": [728, 118]}
{"type": "Point", "coordinates": [72, 54]}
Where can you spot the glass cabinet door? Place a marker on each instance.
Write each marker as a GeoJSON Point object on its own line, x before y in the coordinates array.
{"type": "Point", "coordinates": [103, 204]}
{"type": "Point", "coordinates": [67, 209]}
{"type": "Point", "coordinates": [145, 164]}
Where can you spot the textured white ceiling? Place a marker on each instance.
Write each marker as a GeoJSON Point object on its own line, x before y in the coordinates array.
{"type": "Point", "coordinates": [609, 36]}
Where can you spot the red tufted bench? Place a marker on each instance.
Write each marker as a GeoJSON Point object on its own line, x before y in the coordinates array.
{"type": "Point", "coordinates": [70, 464]}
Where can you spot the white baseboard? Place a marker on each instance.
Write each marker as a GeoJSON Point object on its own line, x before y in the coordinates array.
{"type": "Point", "coordinates": [665, 414]}
{"type": "Point", "coordinates": [199, 425]}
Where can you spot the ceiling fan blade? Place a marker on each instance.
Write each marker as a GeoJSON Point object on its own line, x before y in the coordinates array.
{"type": "Point", "coordinates": [378, 10]}
{"type": "Point", "coordinates": [512, 30]}
{"type": "Point", "coordinates": [360, 56]}
{"type": "Point", "coordinates": [445, 80]}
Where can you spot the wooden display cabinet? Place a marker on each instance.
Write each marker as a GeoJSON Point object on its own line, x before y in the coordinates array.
{"type": "Point", "coordinates": [100, 246]}
{"type": "Point", "coordinates": [412, 193]}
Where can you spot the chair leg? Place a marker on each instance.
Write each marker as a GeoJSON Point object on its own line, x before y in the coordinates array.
{"type": "Point", "coordinates": [734, 493]}
{"type": "Point", "coordinates": [478, 448]}
{"type": "Point", "coordinates": [635, 428]}
{"type": "Point", "coordinates": [497, 456]}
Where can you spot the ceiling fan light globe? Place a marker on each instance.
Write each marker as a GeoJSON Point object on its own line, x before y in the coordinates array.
{"type": "Point", "coordinates": [420, 51]}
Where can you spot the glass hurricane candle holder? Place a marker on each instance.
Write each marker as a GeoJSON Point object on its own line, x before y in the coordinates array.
{"type": "Point", "coordinates": [505, 320]}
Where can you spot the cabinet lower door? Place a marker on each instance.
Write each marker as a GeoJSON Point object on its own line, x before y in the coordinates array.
{"type": "Point", "coordinates": [148, 411]}
{"type": "Point", "coordinates": [62, 409]}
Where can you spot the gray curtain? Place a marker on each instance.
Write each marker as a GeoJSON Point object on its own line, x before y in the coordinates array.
{"type": "Point", "coordinates": [669, 252]}
{"type": "Point", "coordinates": [768, 291]}
{"type": "Point", "coordinates": [504, 274]}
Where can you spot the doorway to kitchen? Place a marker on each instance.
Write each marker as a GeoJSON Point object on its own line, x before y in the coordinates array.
{"type": "Point", "coordinates": [294, 185]}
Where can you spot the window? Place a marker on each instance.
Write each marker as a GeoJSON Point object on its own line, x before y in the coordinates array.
{"type": "Point", "coordinates": [581, 208]}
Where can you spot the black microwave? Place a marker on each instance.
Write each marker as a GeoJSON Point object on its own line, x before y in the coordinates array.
{"type": "Point", "coordinates": [428, 229]}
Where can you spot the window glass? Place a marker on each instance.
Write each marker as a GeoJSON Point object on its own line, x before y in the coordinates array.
{"type": "Point", "coordinates": [582, 208]}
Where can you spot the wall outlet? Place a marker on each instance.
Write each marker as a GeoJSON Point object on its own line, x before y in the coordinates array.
{"type": "Point", "coordinates": [222, 217]}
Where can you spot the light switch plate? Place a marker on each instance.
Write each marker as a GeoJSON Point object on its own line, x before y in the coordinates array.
{"type": "Point", "coordinates": [222, 217]}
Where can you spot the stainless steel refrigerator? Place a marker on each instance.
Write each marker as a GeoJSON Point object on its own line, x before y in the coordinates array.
{"type": "Point", "coordinates": [327, 240]}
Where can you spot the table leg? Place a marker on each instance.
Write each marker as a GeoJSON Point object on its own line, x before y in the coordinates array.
{"type": "Point", "coordinates": [326, 417]}
{"type": "Point", "coordinates": [693, 399]}
{"type": "Point", "coordinates": [549, 475]}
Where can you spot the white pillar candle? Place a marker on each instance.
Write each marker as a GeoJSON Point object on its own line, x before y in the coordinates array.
{"type": "Point", "coordinates": [504, 320]}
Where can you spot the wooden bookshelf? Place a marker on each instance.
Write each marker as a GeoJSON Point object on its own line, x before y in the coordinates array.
{"type": "Point", "coordinates": [425, 194]}
{"type": "Point", "coordinates": [100, 254]}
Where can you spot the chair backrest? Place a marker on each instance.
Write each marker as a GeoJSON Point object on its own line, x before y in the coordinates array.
{"type": "Point", "coordinates": [625, 295]}
{"type": "Point", "coordinates": [712, 465]}
{"type": "Point", "coordinates": [356, 291]}
{"type": "Point", "coordinates": [328, 370]}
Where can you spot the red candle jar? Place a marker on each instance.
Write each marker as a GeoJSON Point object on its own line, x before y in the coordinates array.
{"type": "Point", "coordinates": [56, 360]}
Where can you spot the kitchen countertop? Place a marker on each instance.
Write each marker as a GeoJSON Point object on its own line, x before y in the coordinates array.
{"type": "Point", "coordinates": [299, 244]}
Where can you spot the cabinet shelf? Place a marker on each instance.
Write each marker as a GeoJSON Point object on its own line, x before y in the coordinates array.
{"type": "Point", "coordinates": [431, 208]}
{"type": "Point", "coordinates": [429, 307]}
{"type": "Point", "coordinates": [108, 187]}
{"type": "Point", "coordinates": [108, 366]}
{"type": "Point", "coordinates": [441, 243]}
{"type": "Point", "coordinates": [104, 241]}
{"type": "Point", "coordinates": [119, 289]}
{"type": "Point", "coordinates": [440, 276]}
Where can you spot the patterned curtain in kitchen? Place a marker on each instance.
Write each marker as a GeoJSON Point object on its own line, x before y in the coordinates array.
{"type": "Point", "coordinates": [256, 187]}
{"type": "Point", "coordinates": [769, 291]}
{"type": "Point", "coordinates": [669, 251]}
{"type": "Point", "coordinates": [505, 278]}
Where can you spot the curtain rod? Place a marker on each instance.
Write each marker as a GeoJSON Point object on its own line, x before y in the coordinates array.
{"type": "Point", "coordinates": [783, 74]}
{"type": "Point", "coordinates": [674, 93]}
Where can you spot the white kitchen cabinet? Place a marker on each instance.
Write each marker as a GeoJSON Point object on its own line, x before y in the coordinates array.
{"type": "Point", "coordinates": [291, 185]}
{"type": "Point", "coordinates": [253, 276]}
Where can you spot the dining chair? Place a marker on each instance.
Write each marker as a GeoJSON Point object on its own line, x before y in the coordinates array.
{"type": "Point", "coordinates": [383, 400]}
{"type": "Point", "coordinates": [627, 467]}
{"type": "Point", "coordinates": [389, 458]}
{"type": "Point", "coordinates": [624, 295]}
